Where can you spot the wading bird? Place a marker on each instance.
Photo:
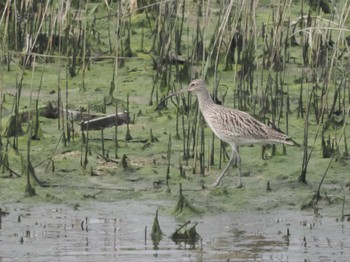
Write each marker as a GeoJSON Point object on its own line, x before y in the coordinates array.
{"type": "Point", "coordinates": [235, 127]}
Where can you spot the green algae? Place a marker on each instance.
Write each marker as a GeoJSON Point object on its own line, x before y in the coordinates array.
{"type": "Point", "coordinates": [71, 184]}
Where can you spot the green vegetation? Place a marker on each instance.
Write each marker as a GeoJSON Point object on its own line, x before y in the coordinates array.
{"type": "Point", "coordinates": [285, 63]}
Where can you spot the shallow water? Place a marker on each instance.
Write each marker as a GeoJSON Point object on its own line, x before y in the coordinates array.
{"type": "Point", "coordinates": [116, 232]}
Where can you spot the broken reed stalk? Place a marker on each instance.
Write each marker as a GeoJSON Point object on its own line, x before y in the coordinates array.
{"type": "Point", "coordinates": [156, 233]}
{"type": "Point", "coordinates": [211, 151]}
{"type": "Point", "coordinates": [17, 126]}
{"type": "Point", "coordinates": [210, 161]}
{"type": "Point", "coordinates": [37, 124]}
{"type": "Point", "coordinates": [60, 28]}
{"type": "Point", "coordinates": [142, 38]}
{"type": "Point", "coordinates": [342, 210]}
{"type": "Point", "coordinates": [287, 119]}
{"type": "Point", "coordinates": [177, 136]}
{"type": "Point", "coordinates": [179, 31]}
{"type": "Point", "coordinates": [83, 88]}
{"type": "Point", "coordinates": [187, 138]}
{"type": "Point", "coordinates": [285, 60]}
{"type": "Point", "coordinates": [127, 43]}
{"type": "Point", "coordinates": [114, 84]}
{"type": "Point", "coordinates": [86, 144]}
{"type": "Point", "coordinates": [152, 138]}
{"type": "Point", "coordinates": [102, 142]}
{"type": "Point", "coordinates": [346, 152]}
{"type": "Point", "coordinates": [168, 158]}
{"type": "Point", "coordinates": [183, 136]}
{"type": "Point", "coordinates": [29, 170]}
{"type": "Point", "coordinates": [300, 102]}
{"type": "Point", "coordinates": [181, 169]}
{"type": "Point", "coordinates": [181, 203]}
{"type": "Point", "coordinates": [306, 156]}
{"type": "Point", "coordinates": [109, 29]}
{"type": "Point", "coordinates": [71, 120]}
{"type": "Point", "coordinates": [116, 145]}
{"type": "Point", "coordinates": [64, 138]}
{"type": "Point", "coordinates": [150, 103]}
{"type": "Point", "coordinates": [68, 123]}
{"type": "Point", "coordinates": [35, 134]}
{"type": "Point", "coordinates": [128, 136]}
{"type": "Point", "coordinates": [195, 137]}
{"type": "Point", "coordinates": [202, 149]}
{"type": "Point", "coordinates": [2, 101]}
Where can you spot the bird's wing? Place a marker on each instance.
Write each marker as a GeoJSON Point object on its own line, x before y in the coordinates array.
{"type": "Point", "coordinates": [241, 128]}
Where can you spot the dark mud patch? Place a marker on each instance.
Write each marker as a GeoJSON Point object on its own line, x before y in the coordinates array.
{"type": "Point", "coordinates": [121, 231]}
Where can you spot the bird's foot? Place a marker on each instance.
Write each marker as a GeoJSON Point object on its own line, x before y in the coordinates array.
{"type": "Point", "coordinates": [216, 183]}
{"type": "Point", "coordinates": [218, 180]}
{"type": "Point", "coordinates": [239, 185]}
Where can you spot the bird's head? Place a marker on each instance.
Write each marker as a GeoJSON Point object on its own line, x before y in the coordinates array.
{"type": "Point", "coordinates": [195, 86]}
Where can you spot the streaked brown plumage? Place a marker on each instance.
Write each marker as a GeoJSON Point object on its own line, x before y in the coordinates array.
{"type": "Point", "coordinates": [235, 127]}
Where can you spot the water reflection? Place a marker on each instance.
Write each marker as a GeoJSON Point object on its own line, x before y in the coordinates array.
{"type": "Point", "coordinates": [110, 232]}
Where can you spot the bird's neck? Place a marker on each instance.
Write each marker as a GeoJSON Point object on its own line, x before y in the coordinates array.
{"type": "Point", "coordinates": [204, 99]}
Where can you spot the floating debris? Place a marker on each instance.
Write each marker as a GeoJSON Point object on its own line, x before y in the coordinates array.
{"type": "Point", "coordinates": [186, 235]}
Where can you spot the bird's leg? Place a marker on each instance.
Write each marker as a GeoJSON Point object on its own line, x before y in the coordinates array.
{"type": "Point", "coordinates": [238, 163]}
{"type": "Point", "coordinates": [234, 159]}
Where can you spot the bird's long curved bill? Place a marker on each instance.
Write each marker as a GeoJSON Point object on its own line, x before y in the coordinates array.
{"type": "Point", "coordinates": [181, 91]}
